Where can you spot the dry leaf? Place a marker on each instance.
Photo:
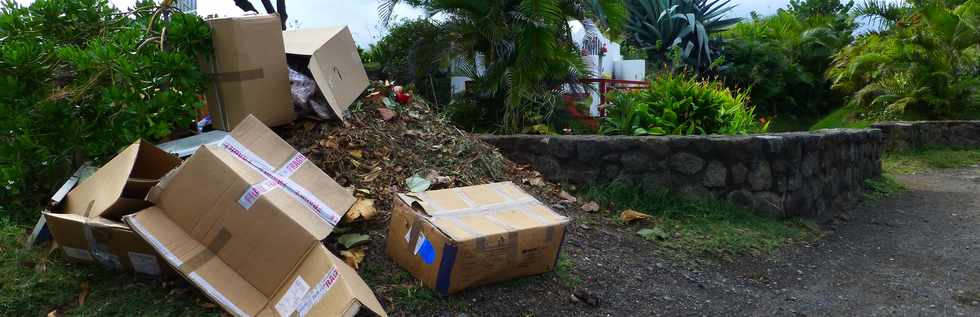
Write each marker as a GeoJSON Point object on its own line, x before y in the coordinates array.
{"type": "Point", "coordinates": [591, 206]}
{"type": "Point", "coordinates": [363, 209]}
{"type": "Point", "coordinates": [83, 294]}
{"type": "Point", "coordinates": [54, 313]}
{"type": "Point", "coordinates": [630, 215]}
{"type": "Point", "coordinates": [537, 181]}
{"type": "Point", "coordinates": [387, 114]}
{"type": "Point", "coordinates": [566, 197]}
{"type": "Point", "coordinates": [330, 143]}
{"type": "Point", "coordinates": [353, 257]}
{"type": "Point", "coordinates": [371, 176]}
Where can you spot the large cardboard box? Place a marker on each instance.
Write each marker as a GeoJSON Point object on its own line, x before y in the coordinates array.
{"type": "Point", "coordinates": [243, 220]}
{"type": "Point", "coordinates": [334, 63]}
{"type": "Point", "coordinates": [454, 239]}
{"type": "Point", "coordinates": [249, 72]}
{"type": "Point", "coordinates": [86, 224]}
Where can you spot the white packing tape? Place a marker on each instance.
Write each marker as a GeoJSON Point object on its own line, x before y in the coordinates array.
{"type": "Point", "coordinates": [216, 295]}
{"type": "Point", "coordinates": [318, 292]}
{"type": "Point", "coordinates": [276, 179]}
{"type": "Point", "coordinates": [167, 255]}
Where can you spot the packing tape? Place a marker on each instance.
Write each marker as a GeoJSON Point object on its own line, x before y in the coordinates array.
{"type": "Point", "coordinates": [215, 294]}
{"type": "Point", "coordinates": [100, 251]}
{"type": "Point", "coordinates": [278, 178]}
{"type": "Point", "coordinates": [157, 245]}
{"type": "Point", "coordinates": [243, 75]}
{"type": "Point", "coordinates": [319, 291]}
{"type": "Point", "coordinates": [212, 250]}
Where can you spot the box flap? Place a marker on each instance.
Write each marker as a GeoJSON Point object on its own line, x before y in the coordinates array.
{"type": "Point", "coordinates": [263, 147]}
{"type": "Point", "coordinates": [471, 212]}
{"type": "Point", "coordinates": [97, 195]}
{"type": "Point", "coordinates": [334, 62]}
{"type": "Point", "coordinates": [323, 285]}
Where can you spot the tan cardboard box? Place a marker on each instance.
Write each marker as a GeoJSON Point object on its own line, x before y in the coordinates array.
{"type": "Point", "coordinates": [85, 225]}
{"type": "Point", "coordinates": [243, 220]}
{"type": "Point", "coordinates": [454, 239]}
{"type": "Point", "coordinates": [334, 62]}
{"type": "Point", "coordinates": [249, 72]}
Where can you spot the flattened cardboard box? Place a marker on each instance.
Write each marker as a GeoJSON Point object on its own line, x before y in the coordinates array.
{"type": "Point", "coordinates": [249, 72]}
{"type": "Point", "coordinates": [86, 224]}
{"type": "Point", "coordinates": [334, 62]}
{"type": "Point", "coordinates": [454, 239]}
{"type": "Point", "coordinates": [243, 220]}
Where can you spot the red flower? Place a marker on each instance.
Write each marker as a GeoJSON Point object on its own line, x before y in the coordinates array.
{"type": "Point", "coordinates": [403, 98]}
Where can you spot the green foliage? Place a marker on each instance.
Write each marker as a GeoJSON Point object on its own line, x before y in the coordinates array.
{"type": "Point", "coordinates": [680, 104]}
{"type": "Point", "coordinates": [911, 162]}
{"type": "Point", "coordinates": [413, 54]}
{"type": "Point", "coordinates": [703, 227]}
{"type": "Point", "coordinates": [782, 58]}
{"type": "Point", "coordinates": [78, 80]}
{"type": "Point", "coordinates": [659, 25]}
{"type": "Point", "coordinates": [881, 188]}
{"type": "Point", "coordinates": [525, 47]}
{"type": "Point", "coordinates": [34, 282]}
{"type": "Point", "coordinates": [926, 63]}
{"type": "Point", "coordinates": [843, 117]}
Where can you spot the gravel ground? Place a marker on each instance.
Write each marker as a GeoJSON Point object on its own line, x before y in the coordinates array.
{"type": "Point", "coordinates": [915, 254]}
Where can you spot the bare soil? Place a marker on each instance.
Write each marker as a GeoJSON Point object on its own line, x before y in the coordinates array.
{"type": "Point", "coordinates": [914, 254]}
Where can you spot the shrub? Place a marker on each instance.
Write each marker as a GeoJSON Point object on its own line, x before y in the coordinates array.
{"type": "Point", "coordinates": [79, 80]}
{"type": "Point", "coordinates": [782, 58]}
{"type": "Point", "coordinates": [413, 53]}
{"type": "Point", "coordinates": [680, 104]}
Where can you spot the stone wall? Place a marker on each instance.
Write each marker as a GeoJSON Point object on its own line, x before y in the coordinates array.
{"type": "Point", "coordinates": [786, 174]}
{"type": "Point", "coordinates": [904, 136]}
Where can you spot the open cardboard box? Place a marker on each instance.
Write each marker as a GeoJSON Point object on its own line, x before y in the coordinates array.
{"type": "Point", "coordinates": [249, 72]}
{"type": "Point", "coordinates": [333, 62]}
{"type": "Point", "coordinates": [243, 220]}
{"type": "Point", "coordinates": [454, 239]}
{"type": "Point", "coordinates": [86, 224]}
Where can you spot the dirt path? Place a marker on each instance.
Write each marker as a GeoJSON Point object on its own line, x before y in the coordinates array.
{"type": "Point", "coordinates": [917, 254]}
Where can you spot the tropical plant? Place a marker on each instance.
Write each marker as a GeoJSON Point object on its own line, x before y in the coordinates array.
{"type": "Point", "coordinates": [659, 25]}
{"type": "Point", "coordinates": [681, 104]}
{"type": "Point", "coordinates": [925, 64]}
{"type": "Point", "coordinates": [525, 47]}
{"type": "Point", "coordinates": [782, 58]}
{"type": "Point", "coordinates": [79, 79]}
{"type": "Point", "coordinates": [413, 54]}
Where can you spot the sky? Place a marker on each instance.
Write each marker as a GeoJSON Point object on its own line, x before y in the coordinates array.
{"type": "Point", "coordinates": [362, 15]}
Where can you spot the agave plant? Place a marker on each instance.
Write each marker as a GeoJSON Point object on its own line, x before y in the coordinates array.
{"type": "Point", "coordinates": [659, 25]}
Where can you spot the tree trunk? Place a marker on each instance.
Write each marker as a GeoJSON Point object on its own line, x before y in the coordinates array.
{"type": "Point", "coordinates": [281, 8]}
{"type": "Point", "coordinates": [245, 6]}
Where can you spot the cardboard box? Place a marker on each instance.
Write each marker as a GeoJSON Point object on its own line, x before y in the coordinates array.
{"type": "Point", "coordinates": [249, 72]}
{"type": "Point", "coordinates": [334, 63]}
{"type": "Point", "coordinates": [243, 220]}
{"type": "Point", "coordinates": [85, 225]}
{"type": "Point", "coordinates": [454, 239]}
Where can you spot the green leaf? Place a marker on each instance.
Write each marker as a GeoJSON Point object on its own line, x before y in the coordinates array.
{"type": "Point", "coordinates": [418, 184]}
{"type": "Point", "coordinates": [351, 240]}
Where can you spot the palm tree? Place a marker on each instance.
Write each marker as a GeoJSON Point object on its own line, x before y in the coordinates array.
{"type": "Point", "coordinates": [526, 46]}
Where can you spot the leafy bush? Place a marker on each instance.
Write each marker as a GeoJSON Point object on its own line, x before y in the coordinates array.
{"type": "Point", "coordinates": [413, 54]}
{"type": "Point", "coordinates": [680, 104]}
{"type": "Point", "coordinates": [79, 80]}
{"type": "Point", "coordinates": [925, 64]}
{"type": "Point", "coordinates": [782, 58]}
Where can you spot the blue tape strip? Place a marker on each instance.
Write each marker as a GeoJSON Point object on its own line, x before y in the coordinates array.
{"type": "Point", "coordinates": [446, 268]}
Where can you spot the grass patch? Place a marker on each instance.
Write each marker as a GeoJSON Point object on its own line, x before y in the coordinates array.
{"type": "Point", "coordinates": [35, 282]}
{"type": "Point", "coordinates": [912, 162]}
{"type": "Point", "coordinates": [703, 227]}
{"type": "Point", "coordinates": [843, 117]}
{"type": "Point", "coordinates": [881, 188]}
